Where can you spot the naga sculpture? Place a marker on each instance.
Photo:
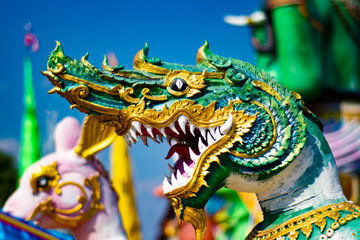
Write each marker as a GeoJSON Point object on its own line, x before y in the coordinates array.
{"type": "Point", "coordinates": [313, 47]}
{"type": "Point", "coordinates": [229, 125]}
{"type": "Point", "coordinates": [70, 188]}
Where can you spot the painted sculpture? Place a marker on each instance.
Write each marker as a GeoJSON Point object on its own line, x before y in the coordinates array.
{"type": "Point", "coordinates": [230, 125]}
{"type": "Point", "coordinates": [313, 48]}
{"type": "Point", "coordinates": [70, 188]}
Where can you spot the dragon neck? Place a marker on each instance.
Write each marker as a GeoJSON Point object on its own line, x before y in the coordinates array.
{"type": "Point", "coordinates": [309, 182]}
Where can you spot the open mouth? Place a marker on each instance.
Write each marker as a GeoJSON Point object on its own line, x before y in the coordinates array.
{"type": "Point", "coordinates": [187, 144]}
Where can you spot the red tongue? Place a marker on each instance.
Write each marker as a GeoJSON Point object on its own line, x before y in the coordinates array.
{"type": "Point", "coordinates": [179, 148]}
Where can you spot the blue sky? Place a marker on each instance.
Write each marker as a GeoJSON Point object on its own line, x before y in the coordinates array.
{"type": "Point", "coordinates": [174, 31]}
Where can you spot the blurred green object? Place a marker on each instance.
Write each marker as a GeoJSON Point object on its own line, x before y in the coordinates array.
{"type": "Point", "coordinates": [30, 137]}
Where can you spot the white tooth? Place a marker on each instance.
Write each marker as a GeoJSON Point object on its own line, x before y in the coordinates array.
{"type": "Point", "coordinates": [174, 182]}
{"type": "Point", "coordinates": [133, 140]}
{"type": "Point", "coordinates": [227, 125]}
{"type": "Point", "coordinates": [192, 128]}
{"type": "Point", "coordinates": [126, 138]}
{"type": "Point", "coordinates": [171, 168]}
{"type": "Point", "coordinates": [181, 179]}
{"type": "Point", "coordinates": [212, 131]}
{"type": "Point", "coordinates": [203, 132]}
{"type": "Point", "coordinates": [166, 185]}
{"type": "Point", "coordinates": [162, 130]}
{"type": "Point", "coordinates": [210, 139]}
{"type": "Point", "coordinates": [173, 142]}
{"type": "Point", "coordinates": [217, 134]}
{"type": "Point", "coordinates": [149, 130]}
{"type": "Point", "coordinates": [193, 155]}
{"type": "Point", "coordinates": [201, 146]}
{"type": "Point", "coordinates": [182, 122]}
{"type": "Point", "coordinates": [137, 126]}
{"type": "Point", "coordinates": [144, 139]}
{"type": "Point", "coordinates": [133, 133]}
{"type": "Point", "coordinates": [173, 128]}
{"type": "Point", "coordinates": [188, 169]}
{"type": "Point", "coordinates": [175, 157]}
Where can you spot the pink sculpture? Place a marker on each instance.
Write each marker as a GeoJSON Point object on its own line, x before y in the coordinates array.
{"type": "Point", "coordinates": [70, 188]}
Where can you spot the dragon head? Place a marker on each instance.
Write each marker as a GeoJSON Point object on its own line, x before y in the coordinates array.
{"type": "Point", "coordinates": [221, 117]}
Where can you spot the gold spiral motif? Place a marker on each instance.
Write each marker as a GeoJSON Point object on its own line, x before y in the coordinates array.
{"type": "Point", "coordinates": [79, 214]}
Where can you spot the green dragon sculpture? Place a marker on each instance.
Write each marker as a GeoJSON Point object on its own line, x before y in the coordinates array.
{"type": "Point", "coordinates": [229, 125]}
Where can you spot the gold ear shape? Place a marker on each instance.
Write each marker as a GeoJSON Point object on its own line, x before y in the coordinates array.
{"type": "Point", "coordinates": [95, 137]}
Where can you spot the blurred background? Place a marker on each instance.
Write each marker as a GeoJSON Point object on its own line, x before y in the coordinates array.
{"type": "Point", "coordinates": [174, 30]}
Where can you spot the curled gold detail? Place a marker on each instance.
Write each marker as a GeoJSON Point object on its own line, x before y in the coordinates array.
{"type": "Point", "coordinates": [60, 69]}
{"type": "Point", "coordinates": [79, 214]}
{"type": "Point", "coordinates": [197, 219]}
{"type": "Point", "coordinates": [125, 95]}
{"type": "Point", "coordinates": [145, 92]}
{"type": "Point", "coordinates": [175, 202]}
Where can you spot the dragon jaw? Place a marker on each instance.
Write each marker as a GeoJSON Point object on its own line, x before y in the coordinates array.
{"type": "Point", "coordinates": [188, 147]}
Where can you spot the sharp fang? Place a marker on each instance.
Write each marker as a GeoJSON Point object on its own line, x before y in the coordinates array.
{"type": "Point", "coordinates": [210, 139]}
{"type": "Point", "coordinates": [171, 168]}
{"type": "Point", "coordinates": [182, 122]}
{"type": "Point", "coordinates": [217, 133]}
{"type": "Point", "coordinates": [173, 128]}
{"type": "Point", "coordinates": [193, 155]}
{"type": "Point", "coordinates": [174, 182]}
{"type": "Point", "coordinates": [160, 138]}
{"type": "Point", "coordinates": [144, 139]}
{"type": "Point", "coordinates": [173, 142]}
{"type": "Point", "coordinates": [149, 130]}
{"type": "Point", "coordinates": [126, 138]}
{"type": "Point", "coordinates": [175, 157]}
{"type": "Point", "coordinates": [181, 179]}
{"type": "Point", "coordinates": [133, 140]}
{"type": "Point", "coordinates": [166, 185]}
{"type": "Point", "coordinates": [201, 146]}
{"type": "Point", "coordinates": [188, 169]}
{"type": "Point", "coordinates": [203, 132]}
{"type": "Point", "coordinates": [227, 125]}
{"type": "Point", "coordinates": [133, 133]}
{"type": "Point", "coordinates": [137, 126]}
{"type": "Point", "coordinates": [192, 129]}
{"type": "Point", "coordinates": [162, 131]}
{"type": "Point", "coordinates": [212, 131]}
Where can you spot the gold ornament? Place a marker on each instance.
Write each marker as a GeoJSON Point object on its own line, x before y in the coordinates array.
{"type": "Point", "coordinates": [305, 223]}
{"type": "Point", "coordinates": [72, 217]}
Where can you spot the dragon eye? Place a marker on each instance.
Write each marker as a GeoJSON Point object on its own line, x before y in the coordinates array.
{"type": "Point", "coordinates": [42, 182]}
{"type": "Point", "coordinates": [178, 85]}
